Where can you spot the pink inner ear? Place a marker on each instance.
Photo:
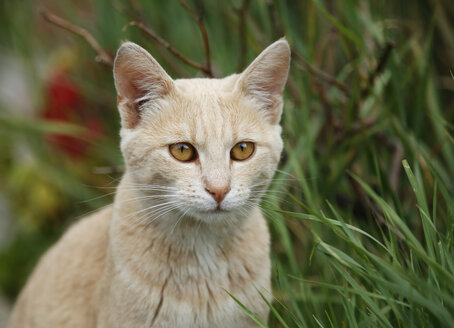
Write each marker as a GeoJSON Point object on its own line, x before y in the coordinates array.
{"type": "Point", "coordinates": [129, 112]}
{"type": "Point", "coordinates": [126, 101]}
{"type": "Point", "coordinates": [132, 83]}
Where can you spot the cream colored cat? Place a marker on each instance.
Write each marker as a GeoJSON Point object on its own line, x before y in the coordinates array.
{"type": "Point", "coordinates": [185, 224]}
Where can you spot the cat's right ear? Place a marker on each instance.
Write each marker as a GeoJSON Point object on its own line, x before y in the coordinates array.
{"type": "Point", "coordinates": [139, 81]}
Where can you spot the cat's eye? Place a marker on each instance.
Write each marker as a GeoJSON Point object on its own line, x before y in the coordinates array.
{"type": "Point", "coordinates": [242, 150]}
{"type": "Point", "coordinates": [183, 151]}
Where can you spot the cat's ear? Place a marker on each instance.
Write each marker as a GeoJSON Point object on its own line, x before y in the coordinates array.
{"type": "Point", "coordinates": [139, 81]}
{"type": "Point", "coordinates": [265, 78]}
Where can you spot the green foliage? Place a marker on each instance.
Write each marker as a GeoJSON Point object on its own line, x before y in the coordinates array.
{"type": "Point", "coordinates": [362, 208]}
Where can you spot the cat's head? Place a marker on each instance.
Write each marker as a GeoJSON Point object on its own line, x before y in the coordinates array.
{"type": "Point", "coordinates": [209, 147]}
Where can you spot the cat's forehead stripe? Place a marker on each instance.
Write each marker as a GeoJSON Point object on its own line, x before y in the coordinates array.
{"type": "Point", "coordinates": [213, 124]}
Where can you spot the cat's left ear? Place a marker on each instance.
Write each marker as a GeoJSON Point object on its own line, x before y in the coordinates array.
{"type": "Point", "coordinates": [265, 78]}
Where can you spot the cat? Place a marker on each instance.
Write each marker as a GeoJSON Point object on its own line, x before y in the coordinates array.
{"type": "Point", "coordinates": [185, 227]}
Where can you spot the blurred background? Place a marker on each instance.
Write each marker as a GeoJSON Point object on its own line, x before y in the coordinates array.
{"type": "Point", "coordinates": [371, 85]}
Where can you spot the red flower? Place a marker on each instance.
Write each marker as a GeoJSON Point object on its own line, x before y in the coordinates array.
{"type": "Point", "coordinates": [64, 102]}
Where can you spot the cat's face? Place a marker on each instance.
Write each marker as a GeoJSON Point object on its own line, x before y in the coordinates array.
{"type": "Point", "coordinates": [208, 147]}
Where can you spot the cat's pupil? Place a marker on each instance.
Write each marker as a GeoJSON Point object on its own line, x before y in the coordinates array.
{"type": "Point", "coordinates": [243, 146]}
{"type": "Point", "coordinates": [182, 147]}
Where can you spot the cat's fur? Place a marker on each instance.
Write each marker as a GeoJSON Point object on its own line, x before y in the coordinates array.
{"type": "Point", "coordinates": [164, 255]}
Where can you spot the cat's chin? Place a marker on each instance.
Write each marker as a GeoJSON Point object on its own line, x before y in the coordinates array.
{"type": "Point", "coordinates": [216, 215]}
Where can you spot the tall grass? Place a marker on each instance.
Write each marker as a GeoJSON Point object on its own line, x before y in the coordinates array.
{"type": "Point", "coordinates": [362, 207]}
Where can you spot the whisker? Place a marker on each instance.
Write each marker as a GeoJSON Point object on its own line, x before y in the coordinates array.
{"type": "Point", "coordinates": [198, 227]}
{"type": "Point", "coordinates": [96, 198]}
{"type": "Point", "coordinates": [285, 172]}
{"type": "Point", "coordinates": [137, 187]}
{"type": "Point", "coordinates": [181, 216]}
{"type": "Point", "coordinates": [162, 214]}
{"type": "Point", "coordinates": [92, 211]}
{"type": "Point", "coordinates": [129, 199]}
{"type": "Point", "coordinates": [271, 191]}
{"type": "Point", "coordinates": [145, 218]}
{"type": "Point", "coordinates": [151, 207]}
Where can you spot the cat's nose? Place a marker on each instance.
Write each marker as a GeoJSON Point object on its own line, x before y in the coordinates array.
{"type": "Point", "coordinates": [218, 193]}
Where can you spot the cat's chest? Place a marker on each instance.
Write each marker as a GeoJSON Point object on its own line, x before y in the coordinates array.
{"type": "Point", "coordinates": [189, 298]}
{"type": "Point", "coordinates": [189, 290]}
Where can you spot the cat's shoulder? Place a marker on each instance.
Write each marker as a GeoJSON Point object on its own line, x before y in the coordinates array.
{"type": "Point", "coordinates": [89, 228]}
{"type": "Point", "coordinates": [66, 276]}
{"type": "Point", "coordinates": [86, 238]}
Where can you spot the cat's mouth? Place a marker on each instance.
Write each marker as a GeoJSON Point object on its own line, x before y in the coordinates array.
{"type": "Point", "coordinates": [211, 214]}
{"type": "Point", "coordinates": [217, 210]}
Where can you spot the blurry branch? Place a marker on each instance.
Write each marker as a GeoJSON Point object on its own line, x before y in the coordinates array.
{"type": "Point", "coordinates": [149, 32]}
{"type": "Point", "coordinates": [241, 12]}
{"type": "Point", "coordinates": [322, 75]}
{"type": "Point", "coordinates": [102, 55]}
{"type": "Point", "coordinates": [135, 5]}
{"type": "Point", "coordinates": [203, 30]}
{"type": "Point", "coordinates": [136, 14]}
{"type": "Point", "coordinates": [275, 19]}
{"type": "Point", "coordinates": [206, 68]}
{"type": "Point", "coordinates": [137, 9]}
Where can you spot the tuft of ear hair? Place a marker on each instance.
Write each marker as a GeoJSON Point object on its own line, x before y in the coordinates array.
{"type": "Point", "coordinates": [139, 79]}
{"type": "Point", "coordinates": [264, 79]}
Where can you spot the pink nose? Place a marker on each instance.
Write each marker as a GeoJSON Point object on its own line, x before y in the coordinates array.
{"type": "Point", "coordinates": [218, 193]}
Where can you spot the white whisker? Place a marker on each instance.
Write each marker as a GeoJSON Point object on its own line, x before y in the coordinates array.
{"type": "Point", "coordinates": [181, 216]}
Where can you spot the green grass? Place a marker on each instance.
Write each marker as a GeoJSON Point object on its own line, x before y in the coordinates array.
{"type": "Point", "coordinates": [362, 208]}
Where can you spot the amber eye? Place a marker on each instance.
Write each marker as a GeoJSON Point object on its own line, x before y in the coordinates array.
{"type": "Point", "coordinates": [242, 150]}
{"type": "Point", "coordinates": [183, 152]}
